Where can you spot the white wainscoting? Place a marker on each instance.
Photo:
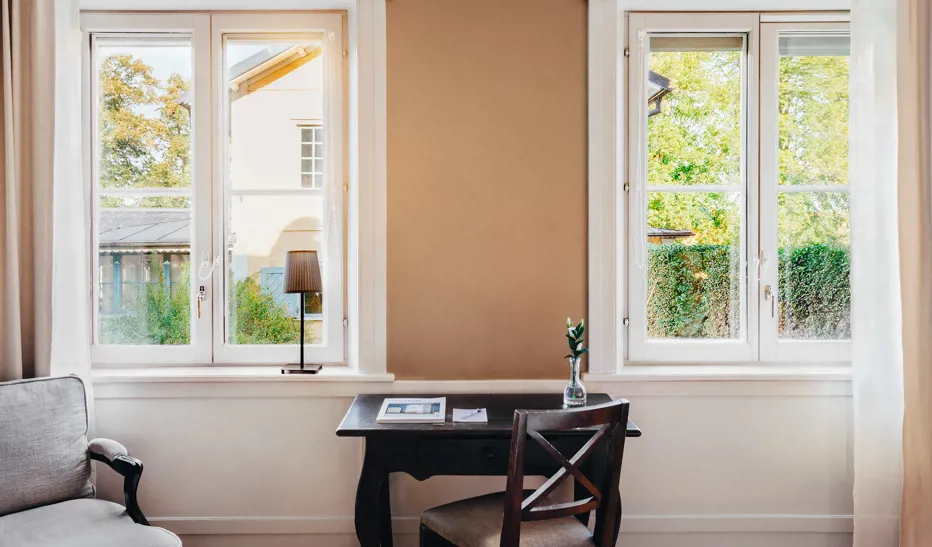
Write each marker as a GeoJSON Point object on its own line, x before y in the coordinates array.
{"type": "Point", "coordinates": [723, 463]}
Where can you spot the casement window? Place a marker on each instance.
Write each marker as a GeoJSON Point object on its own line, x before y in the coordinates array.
{"type": "Point", "coordinates": [196, 197]}
{"type": "Point", "coordinates": [737, 196]}
{"type": "Point", "coordinates": [312, 157]}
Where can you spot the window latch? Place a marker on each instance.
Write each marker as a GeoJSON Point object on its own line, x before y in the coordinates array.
{"type": "Point", "coordinates": [768, 295]}
{"type": "Point", "coordinates": [201, 296]}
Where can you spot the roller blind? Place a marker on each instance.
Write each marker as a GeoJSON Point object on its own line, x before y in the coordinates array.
{"type": "Point", "coordinates": [687, 42]}
{"type": "Point", "coordinates": [810, 45]}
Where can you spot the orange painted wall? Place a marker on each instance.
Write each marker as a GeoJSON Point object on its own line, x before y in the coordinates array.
{"type": "Point", "coordinates": [486, 186]}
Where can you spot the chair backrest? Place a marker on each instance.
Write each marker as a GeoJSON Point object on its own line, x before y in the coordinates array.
{"type": "Point", "coordinates": [43, 443]}
{"type": "Point", "coordinates": [610, 421]}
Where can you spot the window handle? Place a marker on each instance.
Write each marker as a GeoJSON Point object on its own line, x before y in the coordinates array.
{"type": "Point", "coordinates": [201, 296]}
{"type": "Point", "coordinates": [768, 295]}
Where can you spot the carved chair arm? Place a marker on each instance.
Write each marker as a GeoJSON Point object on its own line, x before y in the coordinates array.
{"type": "Point", "coordinates": [116, 456]}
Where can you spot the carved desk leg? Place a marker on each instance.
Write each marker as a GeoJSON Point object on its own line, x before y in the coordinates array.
{"type": "Point", "coordinates": [369, 524]}
{"type": "Point", "coordinates": [385, 513]}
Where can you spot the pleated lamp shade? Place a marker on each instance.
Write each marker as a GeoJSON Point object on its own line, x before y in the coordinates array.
{"type": "Point", "coordinates": [302, 272]}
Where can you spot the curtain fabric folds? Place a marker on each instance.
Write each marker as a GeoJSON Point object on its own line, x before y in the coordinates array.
{"type": "Point", "coordinates": [26, 201]}
{"type": "Point", "coordinates": [914, 97]}
{"type": "Point", "coordinates": [891, 272]}
{"type": "Point", "coordinates": [43, 229]}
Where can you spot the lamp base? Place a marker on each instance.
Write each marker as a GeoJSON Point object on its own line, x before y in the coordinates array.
{"type": "Point", "coordinates": [295, 368]}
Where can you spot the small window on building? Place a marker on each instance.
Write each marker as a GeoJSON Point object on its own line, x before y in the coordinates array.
{"type": "Point", "coordinates": [312, 157]}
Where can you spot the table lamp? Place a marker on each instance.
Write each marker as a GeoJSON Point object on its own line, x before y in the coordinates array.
{"type": "Point", "coordinates": [302, 275]}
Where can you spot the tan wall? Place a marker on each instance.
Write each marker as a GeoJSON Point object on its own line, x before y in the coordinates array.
{"type": "Point", "coordinates": [486, 186]}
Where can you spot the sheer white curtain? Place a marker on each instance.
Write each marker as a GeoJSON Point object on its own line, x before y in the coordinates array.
{"type": "Point", "coordinates": [70, 351]}
{"type": "Point", "coordinates": [891, 271]}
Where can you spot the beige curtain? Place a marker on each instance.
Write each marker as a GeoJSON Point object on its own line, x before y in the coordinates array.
{"type": "Point", "coordinates": [914, 99]}
{"type": "Point", "coordinates": [26, 187]}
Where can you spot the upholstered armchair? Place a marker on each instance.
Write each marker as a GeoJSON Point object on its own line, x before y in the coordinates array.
{"type": "Point", "coordinates": [46, 497]}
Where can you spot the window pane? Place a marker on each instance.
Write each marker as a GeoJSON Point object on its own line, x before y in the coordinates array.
{"type": "Point", "coordinates": [814, 265]}
{"type": "Point", "coordinates": [693, 258]}
{"type": "Point", "coordinates": [144, 105]}
{"type": "Point", "coordinates": [813, 109]}
{"type": "Point", "coordinates": [143, 188]}
{"type": "Point", "coordinates": [814, 227]}
{"type": "Point", "coordinates": [271, 84]}
{"type": "Point", "coordinates": [138, 305]}
{"type": "Point", "coordinates": [262, 230]}
{"type": "Point", "coordinates": [694, 110]}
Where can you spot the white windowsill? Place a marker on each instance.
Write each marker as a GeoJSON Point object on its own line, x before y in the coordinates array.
{"type": "Point", "coordinates": [241, 373]}
{"type": "Point", "coordinates": [725, 373]}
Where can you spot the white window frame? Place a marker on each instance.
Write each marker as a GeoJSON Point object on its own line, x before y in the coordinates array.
{"type": "Point", "coordinates": [773, 349]}
{"type": "Point", "coordinates": [330, 27]}
{"type": "Point", "coordinates": [641, 348]}
{"type": "Point", "coordinates": [365, 260]}
{"type": "Point", "coordinates": [196, 26]}
{"type": "Point", "coordinates": [609, 164]}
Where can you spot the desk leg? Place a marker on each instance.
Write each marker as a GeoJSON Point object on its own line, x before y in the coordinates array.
{"type": "Point", "coordinates": [385, 513]}
{"type": "Point", "coordinates": [369, 522]}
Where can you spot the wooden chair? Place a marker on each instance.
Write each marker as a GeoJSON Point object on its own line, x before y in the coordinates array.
{"type": "Point", "coordinates": [529, 519]}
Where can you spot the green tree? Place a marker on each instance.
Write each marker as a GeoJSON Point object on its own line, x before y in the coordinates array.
{"type": "Point", "coordinates": [144, 132]}
{"type": "Point", "coordinates": [696, 140]}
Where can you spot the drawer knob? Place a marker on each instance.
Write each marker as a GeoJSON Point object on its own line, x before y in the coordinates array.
{"type": "Point", "coordinates": [487, 452]}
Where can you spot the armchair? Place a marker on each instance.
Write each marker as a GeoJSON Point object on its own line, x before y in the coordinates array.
{"type": "Point", "coordinates": [47, 498]}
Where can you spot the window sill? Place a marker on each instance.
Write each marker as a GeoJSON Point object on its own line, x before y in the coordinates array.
{"type": "Point", "coordinates": [226, 374]}
{"type": "Point", "coordinates": [727, 373]}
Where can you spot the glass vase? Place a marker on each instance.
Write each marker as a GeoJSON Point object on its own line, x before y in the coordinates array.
{"type": "Point", "coordinates": [574, 394]}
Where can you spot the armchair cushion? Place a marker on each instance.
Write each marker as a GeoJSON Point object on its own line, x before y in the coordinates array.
{"type": "Point", "coordinates": [107, 448]}
{"type": "Point", "coordinates": [80, 523]}
{"type": "Point", "coordinates": [43, 448]}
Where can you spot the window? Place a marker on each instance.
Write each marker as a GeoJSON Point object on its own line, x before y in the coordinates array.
{"type": "Point", "coordinates": [312, 157]}
{"type": "Point", "coordinates": [196, 198]}
{"type": "Point", "coordinates": [737, 200]}
{"type": "Point", "coordinates": [805, 225]}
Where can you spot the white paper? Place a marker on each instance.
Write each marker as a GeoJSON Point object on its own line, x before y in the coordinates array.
{"type": "Point", "coordinates": [470, 415]}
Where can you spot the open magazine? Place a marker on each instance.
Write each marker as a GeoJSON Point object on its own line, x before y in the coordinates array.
{"type": "Point", "coordinates": [413, 411]}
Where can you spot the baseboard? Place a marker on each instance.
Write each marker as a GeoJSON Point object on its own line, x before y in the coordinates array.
{"type": "Point", "coordinates": [631, 524]}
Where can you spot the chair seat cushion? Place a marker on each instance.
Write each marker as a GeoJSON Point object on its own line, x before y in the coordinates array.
{"type": "Point", "coordinates": [80, 523]}
{"type": "Point", "coordinates": [477, 522]}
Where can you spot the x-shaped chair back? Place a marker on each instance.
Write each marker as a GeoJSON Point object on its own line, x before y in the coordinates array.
{"type": "Point", "coordinates": [609, 422]}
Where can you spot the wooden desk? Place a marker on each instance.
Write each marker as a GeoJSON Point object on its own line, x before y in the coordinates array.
{"type": "Point", "coordinates": [425, 450]}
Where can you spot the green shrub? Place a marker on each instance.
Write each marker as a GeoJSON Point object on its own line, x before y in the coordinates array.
{"type": "Point", "coordinates": [815, 293]}
{"type": "Point", "coordinates": [693, 292]}
{"type": "Point", "coordinates": [165, 318]}
{"type": "Point", "coordinates": [259, 319]}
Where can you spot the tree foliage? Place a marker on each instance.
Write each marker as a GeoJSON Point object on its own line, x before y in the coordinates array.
{"type": "Point", "coordinates": [144, 131]}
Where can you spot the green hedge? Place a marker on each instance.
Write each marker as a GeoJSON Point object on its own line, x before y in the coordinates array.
{"type": "Point", "coordinates": [693, 292]}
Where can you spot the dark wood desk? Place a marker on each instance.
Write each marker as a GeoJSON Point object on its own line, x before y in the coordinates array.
{"type": "Point", "coordinates": [425, 450]}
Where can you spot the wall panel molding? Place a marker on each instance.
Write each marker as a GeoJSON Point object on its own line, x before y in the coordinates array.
{"type": "Point", "coordinates": [408, 525]}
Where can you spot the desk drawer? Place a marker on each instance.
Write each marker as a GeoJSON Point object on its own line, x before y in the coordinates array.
{"type": "Point", "coordinates": [463, 456]}
{"type": "Point", "coordinates": [459, 456]}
